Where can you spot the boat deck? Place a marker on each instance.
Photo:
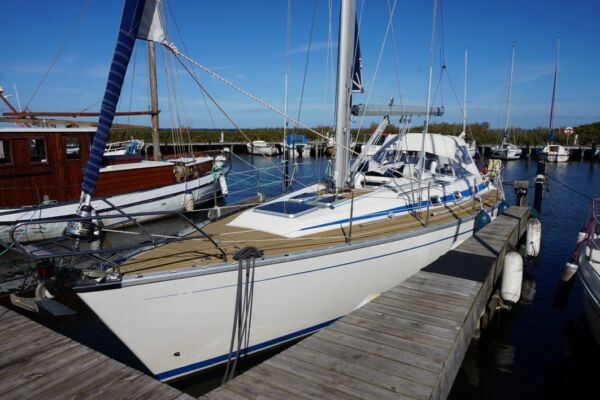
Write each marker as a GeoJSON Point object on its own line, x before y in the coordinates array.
{"type": "Point", "coordinates": [199, 251]}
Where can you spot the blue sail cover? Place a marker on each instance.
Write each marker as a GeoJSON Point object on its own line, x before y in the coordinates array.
{"type": "Point", "coordinates": [130, 22]}
{"type": "Point", "coordinates": [295, 138]}
{"type": "Point", "coordinates": [550, 137]}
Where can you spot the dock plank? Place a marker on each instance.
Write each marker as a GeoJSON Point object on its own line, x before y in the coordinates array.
{"type": "Point", "coordinates": [40, 363]}
{"type": "Point", "coordinates": [342, 383]}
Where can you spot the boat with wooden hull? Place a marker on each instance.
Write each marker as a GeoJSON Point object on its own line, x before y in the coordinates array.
{"type": "Point", "coordinates": [42, 169]}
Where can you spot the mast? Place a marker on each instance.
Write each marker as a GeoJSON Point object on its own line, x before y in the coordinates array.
{"type": "Point", "coordinates": [285, 95]}
{"type": "Point", "coordinates": [510, 80]}
{"type": "Point", "coordinates": [344, 87]}
{"type": "Point", "coordinates": [551, 124]}
{"type": "Point", "coordinates": [464, 130]}
{"type": "Point", "coordinates": [153, 101]}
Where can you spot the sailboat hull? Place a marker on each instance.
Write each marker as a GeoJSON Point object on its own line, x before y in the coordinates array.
{"type": "Point", "coordinates": [180, 322]}
{"type": "Point", "coordinates": [170, 197]}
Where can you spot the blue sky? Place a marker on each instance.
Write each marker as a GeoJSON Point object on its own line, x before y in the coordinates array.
{"type": "Point", "coordinates": [244, 41]}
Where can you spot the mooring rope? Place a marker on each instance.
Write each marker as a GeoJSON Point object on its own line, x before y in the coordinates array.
{"type": "Point", "coordinates": [242, 316]}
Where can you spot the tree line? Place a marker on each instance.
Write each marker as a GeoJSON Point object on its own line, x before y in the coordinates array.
{"type": "Point", "coordinates": [587, 134]}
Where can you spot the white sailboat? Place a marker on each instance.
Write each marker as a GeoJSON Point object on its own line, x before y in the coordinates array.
{"type": "Point", "coordinates": [506, 150]}
{"type": "Point", "coordinates": [554, 152]}
{"type": "Point", "coordinates": [589, 269]}
{"type": "Point", "coordinates": [262, 148]}
{"type": "Point", "coordinates": [295, 264]}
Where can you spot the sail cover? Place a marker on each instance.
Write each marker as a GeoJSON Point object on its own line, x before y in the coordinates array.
{"type": "Point", "coordinates": [357, 84]}
{"type": "Point", "coordinates": [128, 31]}
{"type": "Point", "coordinates": [151, 28]}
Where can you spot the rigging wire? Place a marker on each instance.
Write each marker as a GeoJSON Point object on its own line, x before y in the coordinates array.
{"type": "Point", "coordinates": [210, 72]}
{"type": "Point", "coordinates": [396, 60]}
{"type": "Point", "coordinates": [135, 53]}
{"type": "Point", "coordinates": [310, 37]}
{"type": "Point", "coordinates": [378, 64]}
{"type": "Point", "coordinates": [172, 17]}
{"type": "Point", "coordinates": [60, 51]}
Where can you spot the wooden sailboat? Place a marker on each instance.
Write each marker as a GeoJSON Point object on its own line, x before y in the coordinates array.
{"type": "Point", "coordinates": [303, 260]}
{"type": "Point", "coordinates": [41, 170]}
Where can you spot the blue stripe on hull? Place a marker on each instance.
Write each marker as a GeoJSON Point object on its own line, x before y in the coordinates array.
{"type": "Point", "coordinates": [223, 358]}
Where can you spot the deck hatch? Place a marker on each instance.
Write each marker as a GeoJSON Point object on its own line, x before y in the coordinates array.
{"type": "Point", "coordinates": [289, 209]}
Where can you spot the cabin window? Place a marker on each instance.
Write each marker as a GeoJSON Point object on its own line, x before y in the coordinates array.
{"type": "Point", "coordinates": [434, 200]}
{"type": "Point", "coordinates": [5, 157]}
{"type": "Point", "coordinates": [463, 155]}
{"type": "Point", "coordinates": [37, 151]}
{"type": "Point", "coordinates": [73, 148]}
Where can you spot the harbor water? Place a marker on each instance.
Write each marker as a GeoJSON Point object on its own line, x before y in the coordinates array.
{"type": "Point", "coordinates": [539, 349]}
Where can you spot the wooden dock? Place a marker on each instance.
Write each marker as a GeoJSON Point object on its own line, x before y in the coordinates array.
{"type": "Point", "coordinates": [408, 343]}
{"type": "Point", "coordinates": [38, 363]}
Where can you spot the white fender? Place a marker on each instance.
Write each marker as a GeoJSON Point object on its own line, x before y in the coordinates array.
{"type": "Point", "coordinates": [534, 237]}
{"type": "Point", "coordinates": [223, 184]}
{"type": "Point", "coordinates": [188, 201]}
{"type": "Point", "coordinates": [569, 271]}
{"type": "Point", "coordinates": [512, 277]}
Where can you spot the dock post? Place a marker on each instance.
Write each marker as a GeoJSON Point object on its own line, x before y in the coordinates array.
{"type": "Point", "coordinates": [540, 181]}
{"type": "Point", "coordinates": [521, 189]}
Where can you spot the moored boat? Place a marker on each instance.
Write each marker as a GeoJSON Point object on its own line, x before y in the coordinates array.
{"type": "Point", "coordinates": [507, 150]}
{"type": "Point", "coordinates": [41, 171]}
{"type": "Point", "coordinates": [293, 265]}
{"type": "Point", "coordinates": [260, 147]}
{"type": "Point", "coordinates": [589, 270]}
{"type": "Point", "coordinates": [296, 144]}
{"type": "Point", "coordinates": [554, 152]}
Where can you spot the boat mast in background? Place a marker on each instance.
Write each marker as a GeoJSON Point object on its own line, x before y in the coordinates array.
{"type": "Point", "coordinates": [464, 129]}
{"type": "Point", "coordinates": [510, 80]}
{"type": "Point", "coordinates": [153, 101]}
{"type": "Point", "coordinates": [552, 104]}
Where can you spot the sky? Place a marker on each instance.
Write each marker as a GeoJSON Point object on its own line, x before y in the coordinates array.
{"type": "Point", "coordinates": [56, 54]}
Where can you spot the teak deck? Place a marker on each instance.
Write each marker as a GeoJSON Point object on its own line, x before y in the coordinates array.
{"type": "Point", "coordinates": [407, 344]}
{"type": "Point", "coordinates": [38, 363]}
{"type": "Point", "coordinates": [198, 251]}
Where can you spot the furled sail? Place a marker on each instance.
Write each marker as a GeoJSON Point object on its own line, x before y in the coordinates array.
{"type": "Point", "coordinates": [140, 19]}
{"type": "Point", "coordinates": [357, 83]}
{"type": "Point", "coordinates": [151, 27]}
